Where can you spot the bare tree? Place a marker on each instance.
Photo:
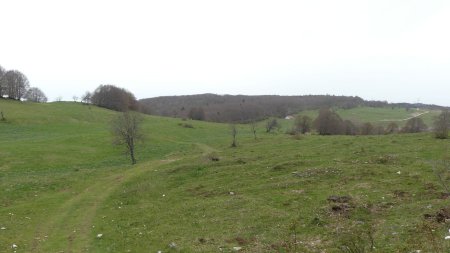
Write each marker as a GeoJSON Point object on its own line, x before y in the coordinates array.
{"type": "Point", "coordinates": [329, 123]}
{"type": "Point", "coordinates": [35, 95]}
{"type": "Point", "coordinates": [233, 132]}
{"type": "Point", "coordinates": [350, 128]}
{"type": "Point", "coordinates": [253, 126]}
{"type": "Point", "coordinates": [75, 98]}
{"type": "Point", "coordinates": [271, 125]}
{"type": "Point", "coordinates": [197, 113]}
{"type": "Point", "coordinates": [392, 128]}
{"type": "Point", "coordinates": [414, 125]}
{"type": "Point", "coordinates": [127, 133]}
{"type": "Point", "coordinates": [2, 81]}
{"type": "Point", "coordinates": [442, 125]}
{"type": "Point", "coordinates": [14, 84]}
{"type": "Point", "coordinates": [114, 98]}
{"type": "Point", "coordinates": [302, 124]}
{"type": "Point", "coordinates": [367, 129]}
{"type": "Point", "coordinates": [86, 98]}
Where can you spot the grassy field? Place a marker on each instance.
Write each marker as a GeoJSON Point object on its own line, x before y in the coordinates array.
{"type": "Point", "coordinates": [381, 116]}
{"type": "Point", "coordinates": [63, 183]}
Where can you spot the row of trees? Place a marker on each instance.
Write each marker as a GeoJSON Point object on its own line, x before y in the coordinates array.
{"type": "Point", "coordinates": [15, 85]}
{"type": "Point", "coordinates": [330, 123]}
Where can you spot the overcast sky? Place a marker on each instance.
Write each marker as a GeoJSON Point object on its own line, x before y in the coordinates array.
{"type": "Point", "coordinates": [394, 50]}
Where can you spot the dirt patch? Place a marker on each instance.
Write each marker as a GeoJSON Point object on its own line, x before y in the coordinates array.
{"type": "Point", "coordinates": [441, 216]}
{"type": "Point", "coordinates": [385, 159]}
{"type": "Point", "coordinates": [341, 205]}
{"type": "Point", "coordinates": [240, 241]}
{"type": "Point", "coordinates": [401, 194]}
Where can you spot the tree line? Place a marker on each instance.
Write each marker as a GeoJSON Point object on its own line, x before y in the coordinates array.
{"type": "Point", "coordinates": [15, 85]}
{"type": "Point", "coordinates": [245, 109]}
{"type": "Point", "coordinates": [328, 122]}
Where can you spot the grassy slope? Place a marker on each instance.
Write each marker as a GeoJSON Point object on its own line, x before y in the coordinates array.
{"type": "Point", "coordinates": [380, 116]}
{"type": "Point", "coordinates": [63, 183]}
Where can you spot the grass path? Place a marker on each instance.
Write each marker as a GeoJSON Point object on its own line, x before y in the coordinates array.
{"type": "Point", "coordinates": [413, 115]}
{"type": "Point", "coordinates": [68, 230]}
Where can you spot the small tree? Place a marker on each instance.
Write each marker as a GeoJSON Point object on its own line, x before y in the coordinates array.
{"type": "Point", "coordinates": [126, 132]}
{"type": "Point", "coordinates": [302, 124]}
{"type": "Point", "coordinates": [328, 123]}
{"type": "Point", "coordinates": [350, 128]}
{"type": "Point", "coordinates": [414, 125]}
{"type": "Point", "coordinates": [392, 128]}
{"type": "Point", "coordinates": [75, 98]}
{"type": "Point", "coordinates": [253, 126]}
{"type": "Point", "coordinates": [442, 125]}
{"type": "Point", "coordinates": [86, 98]}
{"type": "Point", "coordinates": [197, 113]}
{"type": "Point", "coordinates": [35, 95]}
{"type": "Point", "coordinates": [367, 129]}
{"type": "Point", "coordinates": [233, 132]}
{"type": "Point", "coordinates": [271, 125]}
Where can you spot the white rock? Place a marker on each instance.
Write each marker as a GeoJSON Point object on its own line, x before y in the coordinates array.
{"type": "Point", "coordinates": [99, 235]}
{"type": "Point", "coordinates": [231, 193]}
{"type": "Point", "coordinates": [399, 172]}
{"type": "Point", "coordinates": [14, 246]}
{"type": "Point", "coordinates": [237, 248]}
{"type": "Point", "coordinates": [164, 195]}
{"type": "Point", "coordinates": [3, 228]}
{"type": "Point", "coordinates": [159, 251]}
{"type": "Point", "coordinates": [172, 245]}
{"type": "Point", "coordinates": [447, 237]}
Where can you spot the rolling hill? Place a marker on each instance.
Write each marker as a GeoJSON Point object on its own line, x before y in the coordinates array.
{"type": "Point", "coordinates": [244, 109]}
{"type": "Point", "coordinates": [65, 188]}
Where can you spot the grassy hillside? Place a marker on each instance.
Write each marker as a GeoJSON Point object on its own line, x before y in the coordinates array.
{"type": "Point", "coordinates": [381, 115]}
{"type": "Point", "coordinates": [63, 184]}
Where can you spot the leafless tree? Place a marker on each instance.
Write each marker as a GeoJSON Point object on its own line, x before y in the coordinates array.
{"type": "Point", "coordinates": [86, 98]}
{"type": "Point", "coordinates": [442, 125]}
{"type": "Point", "coordinates": [367, 129]}
{"type": "Point", "coordinates": [14, 84]}
{"type": "Point", "coordinates": [196, 113]}
{"type": "Point", "coordinates": [114, 98]}
{"type": "Point", "coordinates": [302, 124]}
{"type": "Point", "coordinates": [329, 123]}
{"type": "Point", "coordinates": [127, 133]}
{"type": "Point", "coordinates": [392, 128]}
{"type": "Point", "coordinates": [2, 81]}
{"type": "Point", "coordinates": [35, 95]}
{"type": "Point", "coordinates": [75, 98]}
{"type": "Point", "coordinates": [233, 132]}
{"type": "Point", "coordinates": [253, 126]}
{"type": "Point", "coordinates": [58, 99]}
{"type": "Point", "coordinates": [271, 125]}
{"type": "Point", "coordinates": [414, 125]}
{"type": "Point", "coordinates": [350, 128]}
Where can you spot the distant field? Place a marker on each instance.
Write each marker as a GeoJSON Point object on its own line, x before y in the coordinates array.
{"type": "Point", "coordinates": [63, 184]}
{"type": "Point", "coordinates": [381, 116]}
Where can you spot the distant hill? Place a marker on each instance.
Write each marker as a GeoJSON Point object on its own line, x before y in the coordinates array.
{"type": "Point", "coordinates": [241, 108]}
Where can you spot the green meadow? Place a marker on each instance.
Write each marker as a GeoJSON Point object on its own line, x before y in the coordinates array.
{"type": "Point", "coordinates": [65, 188]}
